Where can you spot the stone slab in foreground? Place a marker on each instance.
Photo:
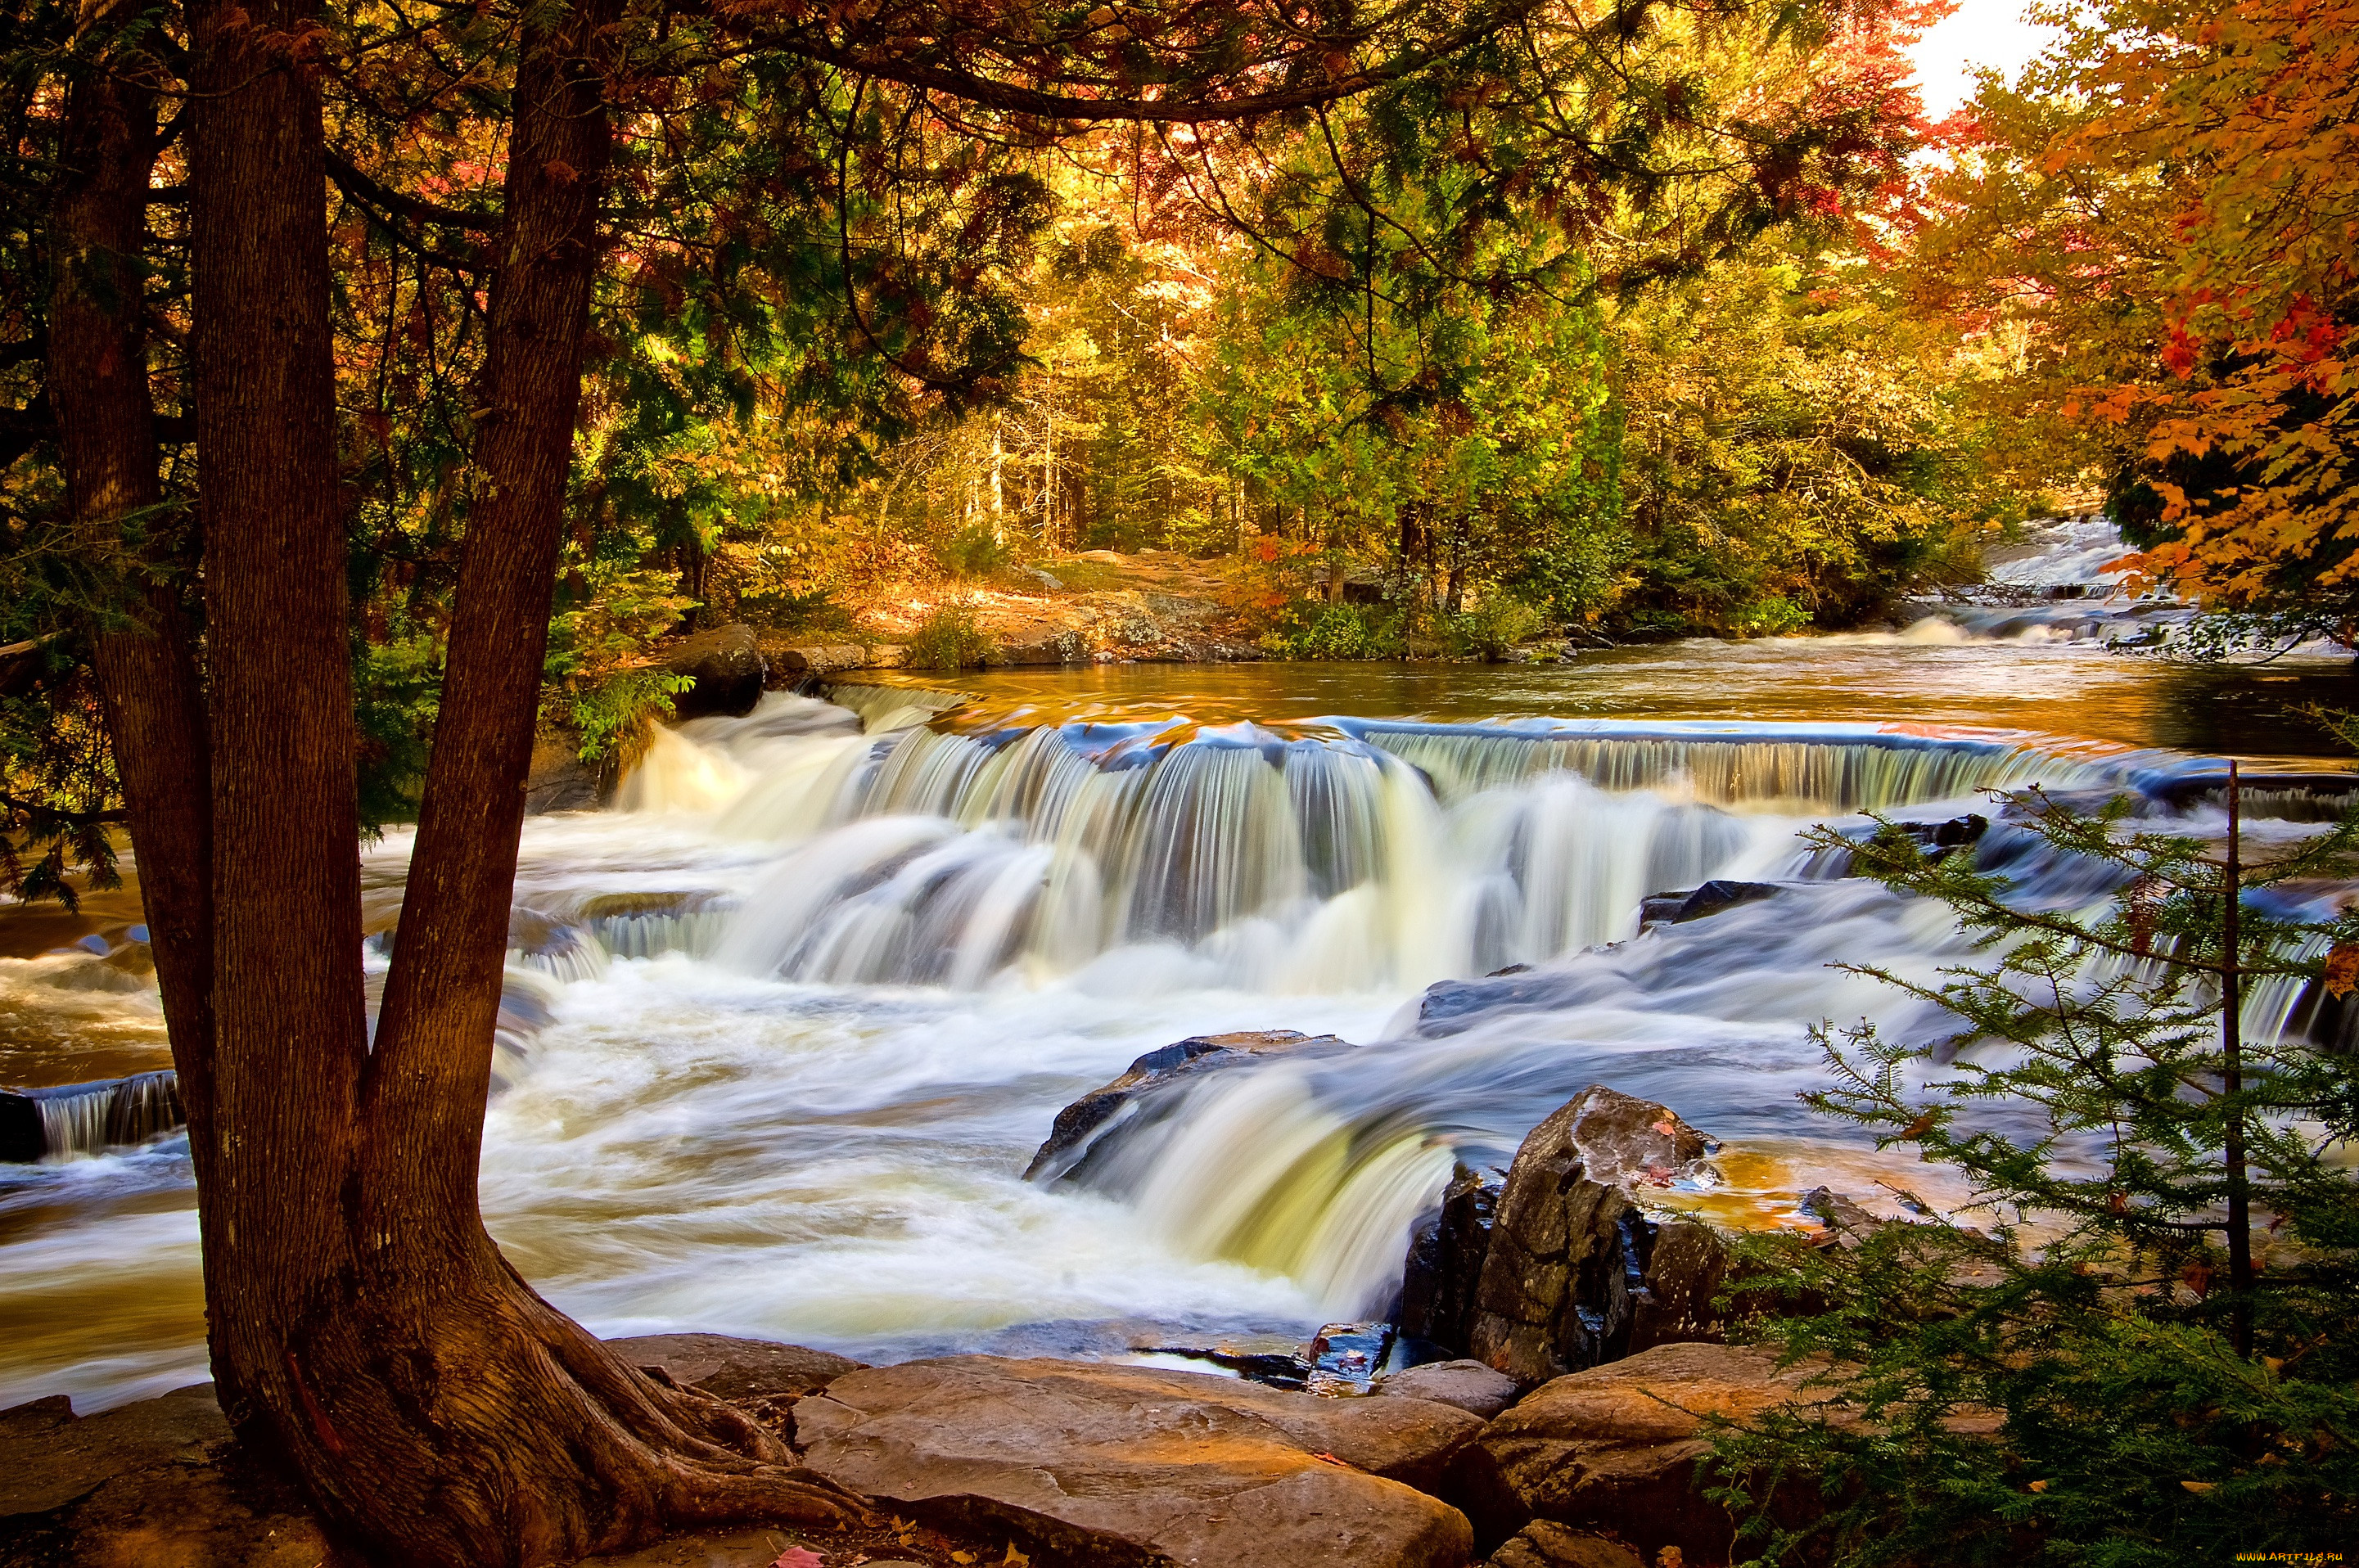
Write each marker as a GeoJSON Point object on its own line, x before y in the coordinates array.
{"type": "Point", "coordinates": [1116, 1465]}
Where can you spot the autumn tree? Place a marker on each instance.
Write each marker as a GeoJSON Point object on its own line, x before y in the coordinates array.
{"type": "Point", "coordinates": [2154, 229]}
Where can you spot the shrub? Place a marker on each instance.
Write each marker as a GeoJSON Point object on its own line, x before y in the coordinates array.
{"type": "Point", "coordinates": [974, 552]}
{"type": "Point", "coordinates": [1494, 627]}
{"type": "Point", "coordinates": [2104, 1376]}
{"type": "Point", "coordinates": [952, 638]}
{"type": "Point", "coordinates": [1314, 629]}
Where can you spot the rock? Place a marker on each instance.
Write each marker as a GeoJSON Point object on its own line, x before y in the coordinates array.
{"type": "Point", "coordinates": [1043, 579]}
{"type": "Point", "coordinates": [157, 1482]}
{"type": "Point", "coordinates": [1686, 1262]}
{"type": "Point", "coordinates": [1075, 1129]}
{"type": "Point", "coordinates": [1445, 1262]}
{"type": "Point", "coordinates": [736, 1369]}
{"type": "Point", "coordinates": [1567, 1274]}
{"type": "Point", "coordinates": [1469, 1386]}
{"type": "Point", "coordinates": [1065, 648]}
{"type": "Point", "coordinates": [793, 664]}
{"type": "Point", "coordinates": [1616, 1447]}
{"type": "Point", "coordinates": [559, 780]}
{"type": "Point", "coordinates": [1543, 1544]}
{"type": "Point", "coordinates": [728, 669]}
{"type": "Point", "coordinates": [1954, 834]}
{"type": "Point", "coordinates": [1847, 1224]}
{"type": "Point", "coordinates": [1710, 899]}
{"type": "Point", "coordinates": [1135, 1466]}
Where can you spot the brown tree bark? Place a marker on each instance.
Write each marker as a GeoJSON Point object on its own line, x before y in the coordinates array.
{"type": "Point", "coordinates": [106, 436]}
{"type": "Point", "coordinates": [437, 1408]}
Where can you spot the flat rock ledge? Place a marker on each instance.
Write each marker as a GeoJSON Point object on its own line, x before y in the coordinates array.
{"type": "Point", "coordinates": [1121, 1467]}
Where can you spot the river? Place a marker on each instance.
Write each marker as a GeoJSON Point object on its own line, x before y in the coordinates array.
{"type": "Point", "coordinates": [788, 1020]}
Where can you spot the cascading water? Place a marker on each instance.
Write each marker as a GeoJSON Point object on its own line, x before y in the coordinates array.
{"type": "Point", "coordinates": [784, 1026]}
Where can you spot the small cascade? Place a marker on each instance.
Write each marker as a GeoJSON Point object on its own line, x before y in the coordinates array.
{"type": "Point", "coordinates": [82, 1121]}
{"type": "Point", "coordinates": [2065, 582]}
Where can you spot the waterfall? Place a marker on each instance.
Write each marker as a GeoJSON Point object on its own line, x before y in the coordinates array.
{"type": "Point", "coordinates": [1348, 855]}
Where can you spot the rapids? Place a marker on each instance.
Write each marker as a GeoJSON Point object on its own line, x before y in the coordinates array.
{"type": "Point", "coordinates": [788, 1020]}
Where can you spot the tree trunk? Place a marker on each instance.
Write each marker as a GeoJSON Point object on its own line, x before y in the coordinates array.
{"type": "Point", "coordinates": [107, 437]}
{"type": "Point", "coordinates": [288, 1027]}
{"type": "Point", "coordinates": [437, 1408]}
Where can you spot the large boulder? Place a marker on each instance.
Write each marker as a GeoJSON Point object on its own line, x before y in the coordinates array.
{"type": "Point", "coordinates": [727, 665]}
{"type": "Point", "coordinates": [1564, 1268]}
{"type": "Point", "coordinates": [1077, 1126]}
{"type": "Point", "coordinates": [1119, 1466]}
{"type": "Point", "coordinates": [1618, 1447]}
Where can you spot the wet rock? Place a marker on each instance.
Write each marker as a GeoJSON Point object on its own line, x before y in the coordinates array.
{"type": "Point", "coordinates": [1942, 837]}
{"type": "Point", "coordinates": [1567, 1274]}
{"type": "Point", "coordinates": [1698, 903]}
{"type": "Point", "coordinates": [1078, 1125]}
{"type": "Point", "coordinates": [559, 780]}
{"type": "Point", "coordinates": [1847, 1224]}
{"type": "Point", "coordinates": [727, 666]}
{"type": "Point", "coordinates": [1543, 1544]}
{"type": "Point", "coordinates": [1686, 1263]}
{"type": "Point", "coordinates": [1123, 1465]}
{"type": "Point", "coordinates": [1343, 1357]}
{"type": "Point", "coordinates": [1617, 1447]}
{"type": "Point", "coordinates": [1446, 1251]}
{"type": "Point", "coordinates": [1468, 1385]}
{"type": "Point", "coordinates": [156, 1482]}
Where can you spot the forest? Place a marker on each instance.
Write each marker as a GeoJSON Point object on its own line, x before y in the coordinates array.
{"type": "Point", "coordinates": [385, 388]}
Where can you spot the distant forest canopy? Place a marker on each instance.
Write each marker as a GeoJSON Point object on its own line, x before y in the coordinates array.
{"type": "Point", "coordinates": [1662, 319]}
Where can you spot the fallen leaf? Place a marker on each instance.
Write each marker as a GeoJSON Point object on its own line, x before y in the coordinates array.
{"type": "Point", "coordinates": [2342, 975]}
{"type": "Point", "coordinates": [1014, 1559]}
{"type": "Point", "coordinates": [800, 1557]}
{"type": "Point", "coordinates": [961, 1556]}
{"type": "Point", "coordinates": [2199, 1487]}
{"type": "Point", "coordinates": [1919, 1128]}
{"type": "Point", "coordinates": [2039, 1485]}
{"type": "Point", "coordinates": [1667, 1128]}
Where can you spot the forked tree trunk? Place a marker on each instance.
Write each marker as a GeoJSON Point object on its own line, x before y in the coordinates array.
{"type": "Point", "coordinates": [106, 426]}
{"type": "Point", "coordinates": [437, 1410]}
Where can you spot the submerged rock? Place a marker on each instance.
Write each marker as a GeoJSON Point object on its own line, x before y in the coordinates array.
{"type": "Point", "coordinates": [1122, 1466]}
{"type": "Point", "coordinates": [1078, 1125]}
{"type": "Point", "coordinates": [1697, 903]}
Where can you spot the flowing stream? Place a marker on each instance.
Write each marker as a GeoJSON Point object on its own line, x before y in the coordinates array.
{"type": "Point", "coordinates": [786, 1021]}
